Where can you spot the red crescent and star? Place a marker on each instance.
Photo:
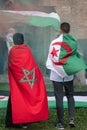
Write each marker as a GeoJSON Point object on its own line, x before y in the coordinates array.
{"type": "Point", "coordinates": [66, 47]}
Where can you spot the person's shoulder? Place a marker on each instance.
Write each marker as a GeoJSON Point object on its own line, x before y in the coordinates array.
{"type": "Point", "coordinates": [26, 46]}
{"type": "Point", "coordinates": [58, 35]}
{"type": "Point", "coordinates": [72, 38]}
{"type": "Point", "coordinates": [57, 39]}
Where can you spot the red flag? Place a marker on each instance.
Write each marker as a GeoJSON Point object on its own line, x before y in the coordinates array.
{"type": "Point", "coordinates": [27, 87]}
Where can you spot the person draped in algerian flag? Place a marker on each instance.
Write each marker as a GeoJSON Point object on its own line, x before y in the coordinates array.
{"type": "Point", "coordinates": [64, 61]}
{"type": "Point", "coordinates": [63, 57]}
{"type": "Point", "coordinates": [28, 99]}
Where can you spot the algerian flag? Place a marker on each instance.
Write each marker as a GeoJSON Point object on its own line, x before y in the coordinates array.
{"type": "Point", "coordinates": [63, 57]}
{"type": "Point", "coordinates": [34, 18]}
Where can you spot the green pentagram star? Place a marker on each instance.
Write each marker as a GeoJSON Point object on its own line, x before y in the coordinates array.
{"type": "Point", "coordinates": [28, 79]}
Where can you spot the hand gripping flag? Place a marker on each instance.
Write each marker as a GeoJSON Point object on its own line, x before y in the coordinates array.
{"type": "Point", "coordinates": [63, 57]}
{"type": "Point", "coordinates": [27, 87]}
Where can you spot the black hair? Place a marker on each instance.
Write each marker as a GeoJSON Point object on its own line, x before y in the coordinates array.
{"type": "Point", "coordinates": [18, 38]}
{"type": "Point", "coordinates": [65, 27]}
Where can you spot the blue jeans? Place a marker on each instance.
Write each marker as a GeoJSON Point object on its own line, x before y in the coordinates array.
{"type": "Point", "coordinates": [69, 91]}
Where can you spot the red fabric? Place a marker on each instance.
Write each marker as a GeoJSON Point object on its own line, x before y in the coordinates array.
{"type": "Point", "coordinates": [29, 104]}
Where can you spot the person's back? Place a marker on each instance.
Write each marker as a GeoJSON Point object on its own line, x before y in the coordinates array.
{"type": "Point", "coordinates": [64, 29]}
{"type": "Point", "coordinates": [58, 76]}
{"type": "Point", "coordinates": [27, 87]}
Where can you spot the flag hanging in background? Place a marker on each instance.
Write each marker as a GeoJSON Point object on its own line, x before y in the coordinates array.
{"type": "Point", "coordinates": [34, 18]}
{"type": "Point", "coordinates": [63, 57]}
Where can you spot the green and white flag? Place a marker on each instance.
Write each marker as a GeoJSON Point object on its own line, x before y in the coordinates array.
{"type": "Point", "coordinates": [10, 18]}
{"type": "Point", "coordinates": [63, 57]}
{"type": "Point", "coordinates": [34, 18]}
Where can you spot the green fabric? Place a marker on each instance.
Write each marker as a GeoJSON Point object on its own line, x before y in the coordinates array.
{"type": "Point", "coordinates": [68, 39]}
{"type": "Point", "coordinates": [44, 22]}
{"type": "Point", "coordinates": [75, 61]}
{"type": "Point", "coordinates": [51, 104]}
{"type": "Point", "coordinates": [33, 20]}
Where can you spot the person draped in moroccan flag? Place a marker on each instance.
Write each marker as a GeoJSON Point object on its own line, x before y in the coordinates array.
{"type": "Point", "coordinates": [64, 61]}
{"type": "Point", "coordinates": [28, 99]}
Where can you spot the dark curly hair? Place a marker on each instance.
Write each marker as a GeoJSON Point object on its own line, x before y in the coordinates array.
{"type": "Point", "coordinates": [65, 27]}
{"type": "Point", "coordinates": [18, 38]}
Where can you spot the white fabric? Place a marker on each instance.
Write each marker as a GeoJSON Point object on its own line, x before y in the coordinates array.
{"type": "Point", "coordinates": [76, 98]}
{"type": "Point", "coordinates": [35, 13]}
{"type": "Point", "coordinates": [9, 41]}
{"type": "Point", "coordinates": [55, 77]}
{"type": "Point", "coordinates": [49, 64]}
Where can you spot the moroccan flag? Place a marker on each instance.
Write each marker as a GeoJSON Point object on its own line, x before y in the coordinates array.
{"type": "Point", "coordinates": [63, 57]}
{"type": "Point", "coordinates": [27, 87]}
{"type": "Point", "coordinates": [33, 18]}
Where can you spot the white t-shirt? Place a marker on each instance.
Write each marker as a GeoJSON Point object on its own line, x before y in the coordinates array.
{"type": "Point", "coordinates": [55, 77]}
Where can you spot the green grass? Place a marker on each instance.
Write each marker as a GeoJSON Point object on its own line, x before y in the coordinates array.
{"type": "Point", "coordinates": [49, 87]}
{"type": "Point", "coordinates": [80, 120]}
{"type": "Point", "coordinates": [80, 114]}
{"type": "Point", "coordinates": [4, 86]}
